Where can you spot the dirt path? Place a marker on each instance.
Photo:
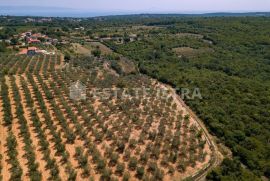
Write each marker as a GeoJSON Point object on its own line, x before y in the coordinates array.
{"type": "Point", "coordinates": [40, 63]}
{"type": "Point", "coordinates": [36, 63]}
{"type": "Point", "coordinates": [30, 63]}
{"type": "Point", "coordinates": [51, 63]}
{"type": "Point", "coordinates": [62, 62]}
{"type": "Point", "coordinates": [43, 63]}
{"type": "Point", "coordinates": [109, 69]}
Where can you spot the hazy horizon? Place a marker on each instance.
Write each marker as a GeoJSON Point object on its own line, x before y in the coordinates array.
{"type": "Point", "coordinates": [109, 7]}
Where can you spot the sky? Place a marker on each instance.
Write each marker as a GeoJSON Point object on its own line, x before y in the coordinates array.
{"type": "Point", "coordinates": [144, 6]}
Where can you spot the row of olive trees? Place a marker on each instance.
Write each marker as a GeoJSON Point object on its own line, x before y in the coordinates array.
{"type": "Point", "coordinates": [1, 166]}
{"type": "Point", "coordinates": [32, 65]}
{"type": "Point", "coordinates": [16, 170]}
{"type": "Point", "coordinates": [82, 158]}
{"type": "Point", "coordinates": [37, 124]}
{"type": "Point", "coordinates": [40, 62]}
{"type": "Point", "coordinates": [34, 174]}
{"type": "Point", "coordinates": [113, 158]}
{"type": "Point", "coordinates": [58, 143]}
{"type": "Point", "coordinates": [100, 131]}
{"type": "Point", "coordinates": [100, 162]}
{"type": "Point", "coordinates": [21, 62]}
{"type": "Point", "coordinates": [10, 62]}
{"type": "Point", "coordinates": [6, 104]}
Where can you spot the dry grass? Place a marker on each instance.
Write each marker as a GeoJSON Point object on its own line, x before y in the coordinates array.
{"type": "Point", "coordinates": [191, 52]}
{"type": "Point", "coordinates": [104, 49]}
{"type": "Point", "coordinates": [189, 35]}
{"type": "Point", "coordinates": [80, 49]}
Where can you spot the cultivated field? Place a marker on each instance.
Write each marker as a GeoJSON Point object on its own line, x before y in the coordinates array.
{"type": "Point", "coordinates": [45, 135]}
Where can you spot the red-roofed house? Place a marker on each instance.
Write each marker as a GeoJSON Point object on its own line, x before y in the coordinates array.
{"type": "Point", "coordinates": [32, 51]}
{"type": "Point", "coordinates": [23, 51]}
{"type": "Point", "coordinates": [34, 41]}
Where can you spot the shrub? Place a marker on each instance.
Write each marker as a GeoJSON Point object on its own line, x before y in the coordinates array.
{"type": "Point", "coordinates": [133, 163]}
{"type": "Point", "coordinates": [140, 172]}
{"type": "Point", "coordinates": [126, 176]}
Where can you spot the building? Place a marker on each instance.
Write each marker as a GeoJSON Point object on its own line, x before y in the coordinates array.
{"type": "Point", "coordinates": [133, 37]}
{"type": "Point", "coordinates": [23, 51]}
{"type": "Point", "coordinates": [80, 28]}
{"type": "Point", "coordinates": [54, 41]}
{"type": "Point", "coordinates": [32, 51]}
{"type": "Point", "coordinates": [29, 51]}
{"type": "Point", "coordinates": [33, 41]}
{"type": "Point", "coordinates": [28, 34]}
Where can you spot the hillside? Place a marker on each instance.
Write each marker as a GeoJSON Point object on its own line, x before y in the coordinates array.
{"type": "Point", "coordinates": [233, 76]}
{"type": "Point", "coordinates": [49, 135]}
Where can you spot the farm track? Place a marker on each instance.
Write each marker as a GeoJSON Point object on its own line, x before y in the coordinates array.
{"type": "Point", "coordinates": [34, 65]}
{"type": "Point", "coordinates": [39, 64]}
{"type": "Point", "coordinates": [44, 63]}
{"type": "Point", "coordinates": [32, 61]}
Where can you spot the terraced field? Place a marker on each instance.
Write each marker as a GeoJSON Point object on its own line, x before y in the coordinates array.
{"type": "Point", "coordinates": [45, 135]}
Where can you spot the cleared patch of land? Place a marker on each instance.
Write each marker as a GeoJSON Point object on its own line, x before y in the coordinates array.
{"type": "Point", "coordinates": [189, 35]}
{"type": "Point", "coordinates": [104, 49]}
{"type": "Point", "coordinates": [191, 52]}
{"type": "Point", "coordinates": [80, 49]}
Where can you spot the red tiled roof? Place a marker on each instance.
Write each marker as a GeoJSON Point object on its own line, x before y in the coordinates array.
{"type": "Point", "coordinates": [34, 40]}
{"type": "Point", "coordinates": [30, 40]}
{"type": "Point", "coordinates": [32, 48]}
{"type": "Point", "coordinates": [23, 51]}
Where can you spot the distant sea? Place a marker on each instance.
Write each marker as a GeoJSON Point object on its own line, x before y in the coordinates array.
{"type": "Point", "coordinates": [65, 12]}
{"type": "Point", "coordinates": [52, 12]}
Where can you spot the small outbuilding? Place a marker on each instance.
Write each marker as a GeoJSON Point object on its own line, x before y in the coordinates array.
{"type": "Point", "coordinates": [32, 51]}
